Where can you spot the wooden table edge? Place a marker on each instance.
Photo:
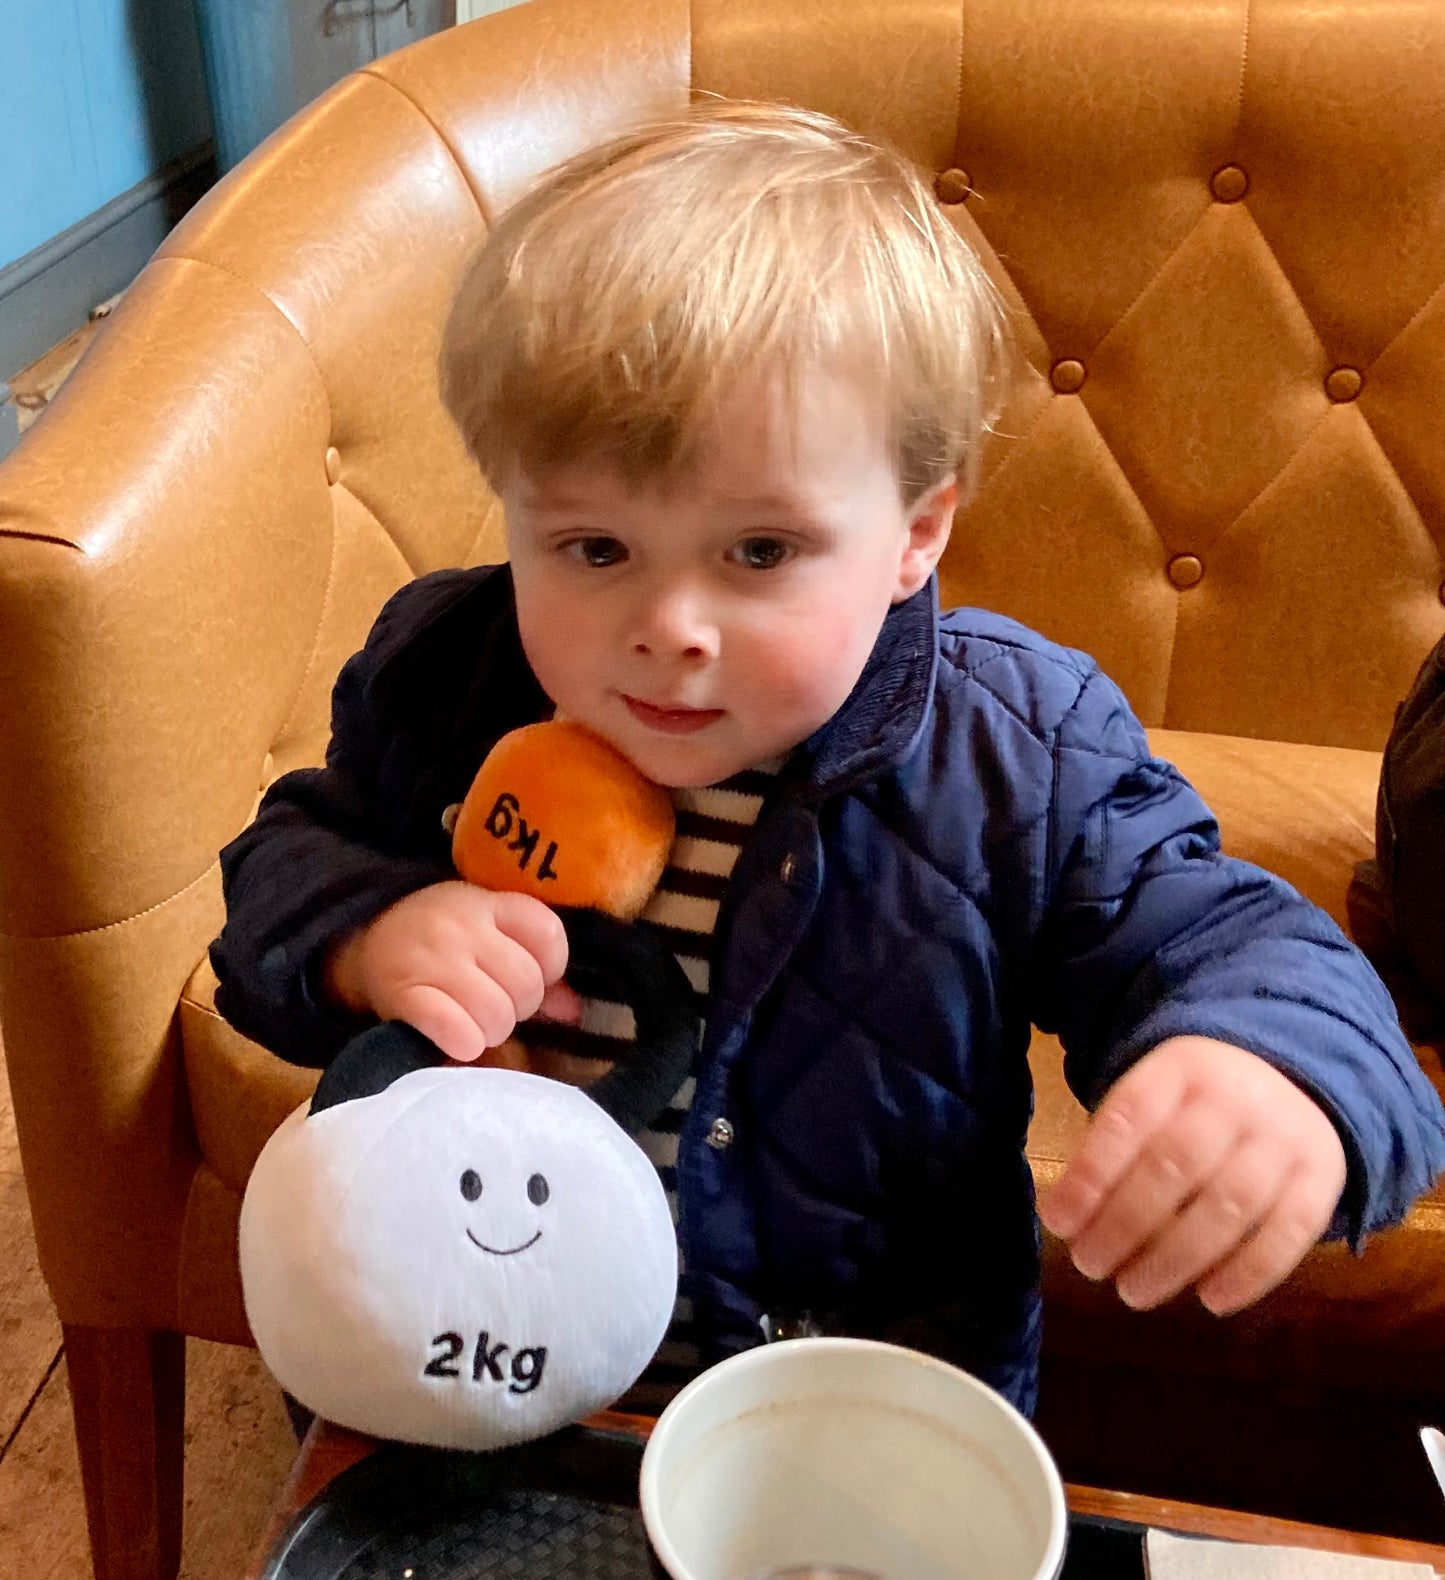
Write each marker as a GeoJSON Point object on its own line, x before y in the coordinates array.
{"type": "Point", "coordinates": [329, 1450]}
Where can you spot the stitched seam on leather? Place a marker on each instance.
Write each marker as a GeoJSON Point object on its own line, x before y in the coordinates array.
{"type": "Point", "coordinates": [1405, 328]}
{"type": "Point", "coordinates": [291, 324]}
{"type": "Point", "coordinates": [1243, 68]}
{"type": "Point", "coordinates": [121, 921]}
{"type": "Point", "coordinates": [1148, 286]}
{"type": "Point", "coordinates": [1385, 456]}
{"type": "Point", "coordinates": [1184, 240]}
{"type": "Point", "coordinates": [1266, 487]}
{"type": "Point", "coordinates": [1014, 444]}
{"type": "Point", "coordinates": [962, 67]}
{"type": "Point", "coordinates": [1325, 354]}
{"type": "Point", "coordinates": [492, 509]}
{"type": "Point", "coordinates": [1119, 471]}
{"type": "Point", "coordinates": [1127, 482]}
{"type": "Point", "coordinates": [1293, 288]}
{"type": "Point", "coordinates": [442, 138]}
{"type": "Point", "coordinates": [310, 664]}
{"type": "Point", "coordinates": [375, 515]}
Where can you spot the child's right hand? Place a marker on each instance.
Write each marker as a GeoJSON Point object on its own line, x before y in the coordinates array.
{"type": "Point", "coordinates": [461, 964]}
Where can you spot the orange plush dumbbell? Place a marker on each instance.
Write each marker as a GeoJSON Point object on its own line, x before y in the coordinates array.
{"type": "Point", "coordinates": [558, 813]}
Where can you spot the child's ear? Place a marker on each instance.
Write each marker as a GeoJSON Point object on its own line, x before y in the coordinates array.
{"type": "Point", "coordinates": [930, 520]}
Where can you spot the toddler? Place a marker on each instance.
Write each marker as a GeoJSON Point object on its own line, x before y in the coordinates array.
{"type": "Point", "coordinates": [729, 376]}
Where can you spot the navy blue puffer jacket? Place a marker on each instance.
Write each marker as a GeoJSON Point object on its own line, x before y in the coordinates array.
{"type": "Point", "coordinates": [979, 840]}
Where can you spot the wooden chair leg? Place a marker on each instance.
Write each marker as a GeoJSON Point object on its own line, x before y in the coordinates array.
{"type": "Point", "coordinates": [128, 1392]}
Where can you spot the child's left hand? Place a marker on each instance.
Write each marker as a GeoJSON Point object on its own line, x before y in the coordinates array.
{"type": "Point", "coordinates": [1204, 1166]}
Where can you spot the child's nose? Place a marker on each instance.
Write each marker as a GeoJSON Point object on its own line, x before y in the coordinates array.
{"type": "Point", "coordinates": [647, 649]}
{"type": "Point", "coordinates": [675, 626]}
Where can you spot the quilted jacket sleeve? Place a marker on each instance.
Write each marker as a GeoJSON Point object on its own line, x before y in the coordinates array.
{"type": "Point", "coordinates": [322, 857]}
{"type": "Point", "coordinates": [1149, 932]}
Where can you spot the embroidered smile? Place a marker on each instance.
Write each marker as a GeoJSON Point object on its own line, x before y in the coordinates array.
{"type": "Point", "coordinates": [493, 1251]}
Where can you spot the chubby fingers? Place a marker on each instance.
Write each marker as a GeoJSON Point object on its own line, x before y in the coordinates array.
{"type": "Point", "coordinates": [1228, 1212]}
{"type": "Point", "coordinates": [464, 965]}
{"type": "Point", "coordinates": [516, 971]}
{"type": "Point", "coordinates": [1299, 1215]}
{"type": "Point", "coordinates": [470, 1008]}
{"type": "Point", "coordinates": [517, 962]}
{"type": "Point", "coordinates": [1076, 1209]}
{"type": "Point", "coordinates": [537, 928]}
{"type": "Point", "coordinates": [435, 1013]}
{"type": "Point", "coordinates": [1174, 1160]}
{"type": "Point", "coordinates": [1204, 1166]}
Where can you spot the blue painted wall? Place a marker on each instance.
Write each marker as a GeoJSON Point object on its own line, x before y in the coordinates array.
{"type": "Point", "coordinates": [95, 95]}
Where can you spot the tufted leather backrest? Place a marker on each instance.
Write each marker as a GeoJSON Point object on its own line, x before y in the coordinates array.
{"type": "Point", "coordinates": [1222, 229]}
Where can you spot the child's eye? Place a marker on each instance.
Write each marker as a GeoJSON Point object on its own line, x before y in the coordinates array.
{"type": "Point", "coordinates": [761, 554]}
{"type": "Point", "coordinates": [597, 553]}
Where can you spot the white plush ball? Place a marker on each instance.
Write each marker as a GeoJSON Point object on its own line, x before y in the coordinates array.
{"type": "Point", "coordinates": [470, 1258]}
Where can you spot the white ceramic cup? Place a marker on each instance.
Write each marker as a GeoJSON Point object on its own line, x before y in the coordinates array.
{"type": "Point", "coordinates": [849, 1454]}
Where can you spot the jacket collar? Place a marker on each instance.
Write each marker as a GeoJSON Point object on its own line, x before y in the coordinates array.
{"type": "Point", "coordinates": [884, 713]}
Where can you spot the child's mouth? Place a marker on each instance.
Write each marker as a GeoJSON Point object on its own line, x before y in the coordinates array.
{"type": "Point", "coordinates": [672, 721]}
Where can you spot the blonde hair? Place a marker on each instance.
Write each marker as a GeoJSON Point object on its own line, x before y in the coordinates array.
{"type": "Point", "coordinates": [638, 284]}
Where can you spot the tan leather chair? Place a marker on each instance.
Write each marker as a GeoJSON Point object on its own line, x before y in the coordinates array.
{"type": "Point", "coordinates": [1223, 231]}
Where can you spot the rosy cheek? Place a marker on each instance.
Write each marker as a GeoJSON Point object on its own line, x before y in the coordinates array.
{"type": "Point", "coordinates": [553, 638]}
{"type": "Point", "coordinates": [807, 663]}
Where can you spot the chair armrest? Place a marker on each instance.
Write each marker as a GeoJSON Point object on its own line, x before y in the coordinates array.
{"type": "Point", "coordinates": [165, 543]}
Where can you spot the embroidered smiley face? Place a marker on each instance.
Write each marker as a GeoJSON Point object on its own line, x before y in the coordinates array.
{"type": "Point", "coordinates": [470, 1257]}
{"type": "Point", "coordinates": [538, 1193]}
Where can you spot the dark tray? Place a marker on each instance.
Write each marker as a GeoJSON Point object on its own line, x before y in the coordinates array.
{"type": "Point", "coordinates": [561, 1509]}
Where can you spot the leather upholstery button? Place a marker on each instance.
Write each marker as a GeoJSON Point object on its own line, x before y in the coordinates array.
{"type": "Point", "coordinates": [1344, 384]}
{"type": "Point", "coordinates": [333, 465]}
{"type": "Point", "coordinates": [952, 186]}
{"type": "Point", "coordinates": [1228, 184]}
{"type": "Point", "coordinates": [1068, 376]}
{"type": "Point", "coordinates": [1185, 570]}
{"type": "Point", "coordinates": [1441, 591]}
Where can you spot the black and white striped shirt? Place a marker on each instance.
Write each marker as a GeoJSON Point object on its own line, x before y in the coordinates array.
{"type": "Point", "coordinates": [713, 824]}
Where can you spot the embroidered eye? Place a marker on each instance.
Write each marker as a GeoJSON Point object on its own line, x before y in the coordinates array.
{"type": "Point", "coordinates": [471, 1184]}
{"type": "Point", "coordinates": [538, 1190]}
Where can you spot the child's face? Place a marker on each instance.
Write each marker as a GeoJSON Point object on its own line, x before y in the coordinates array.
{"type": "Point", "coordinates": [710, 624]}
